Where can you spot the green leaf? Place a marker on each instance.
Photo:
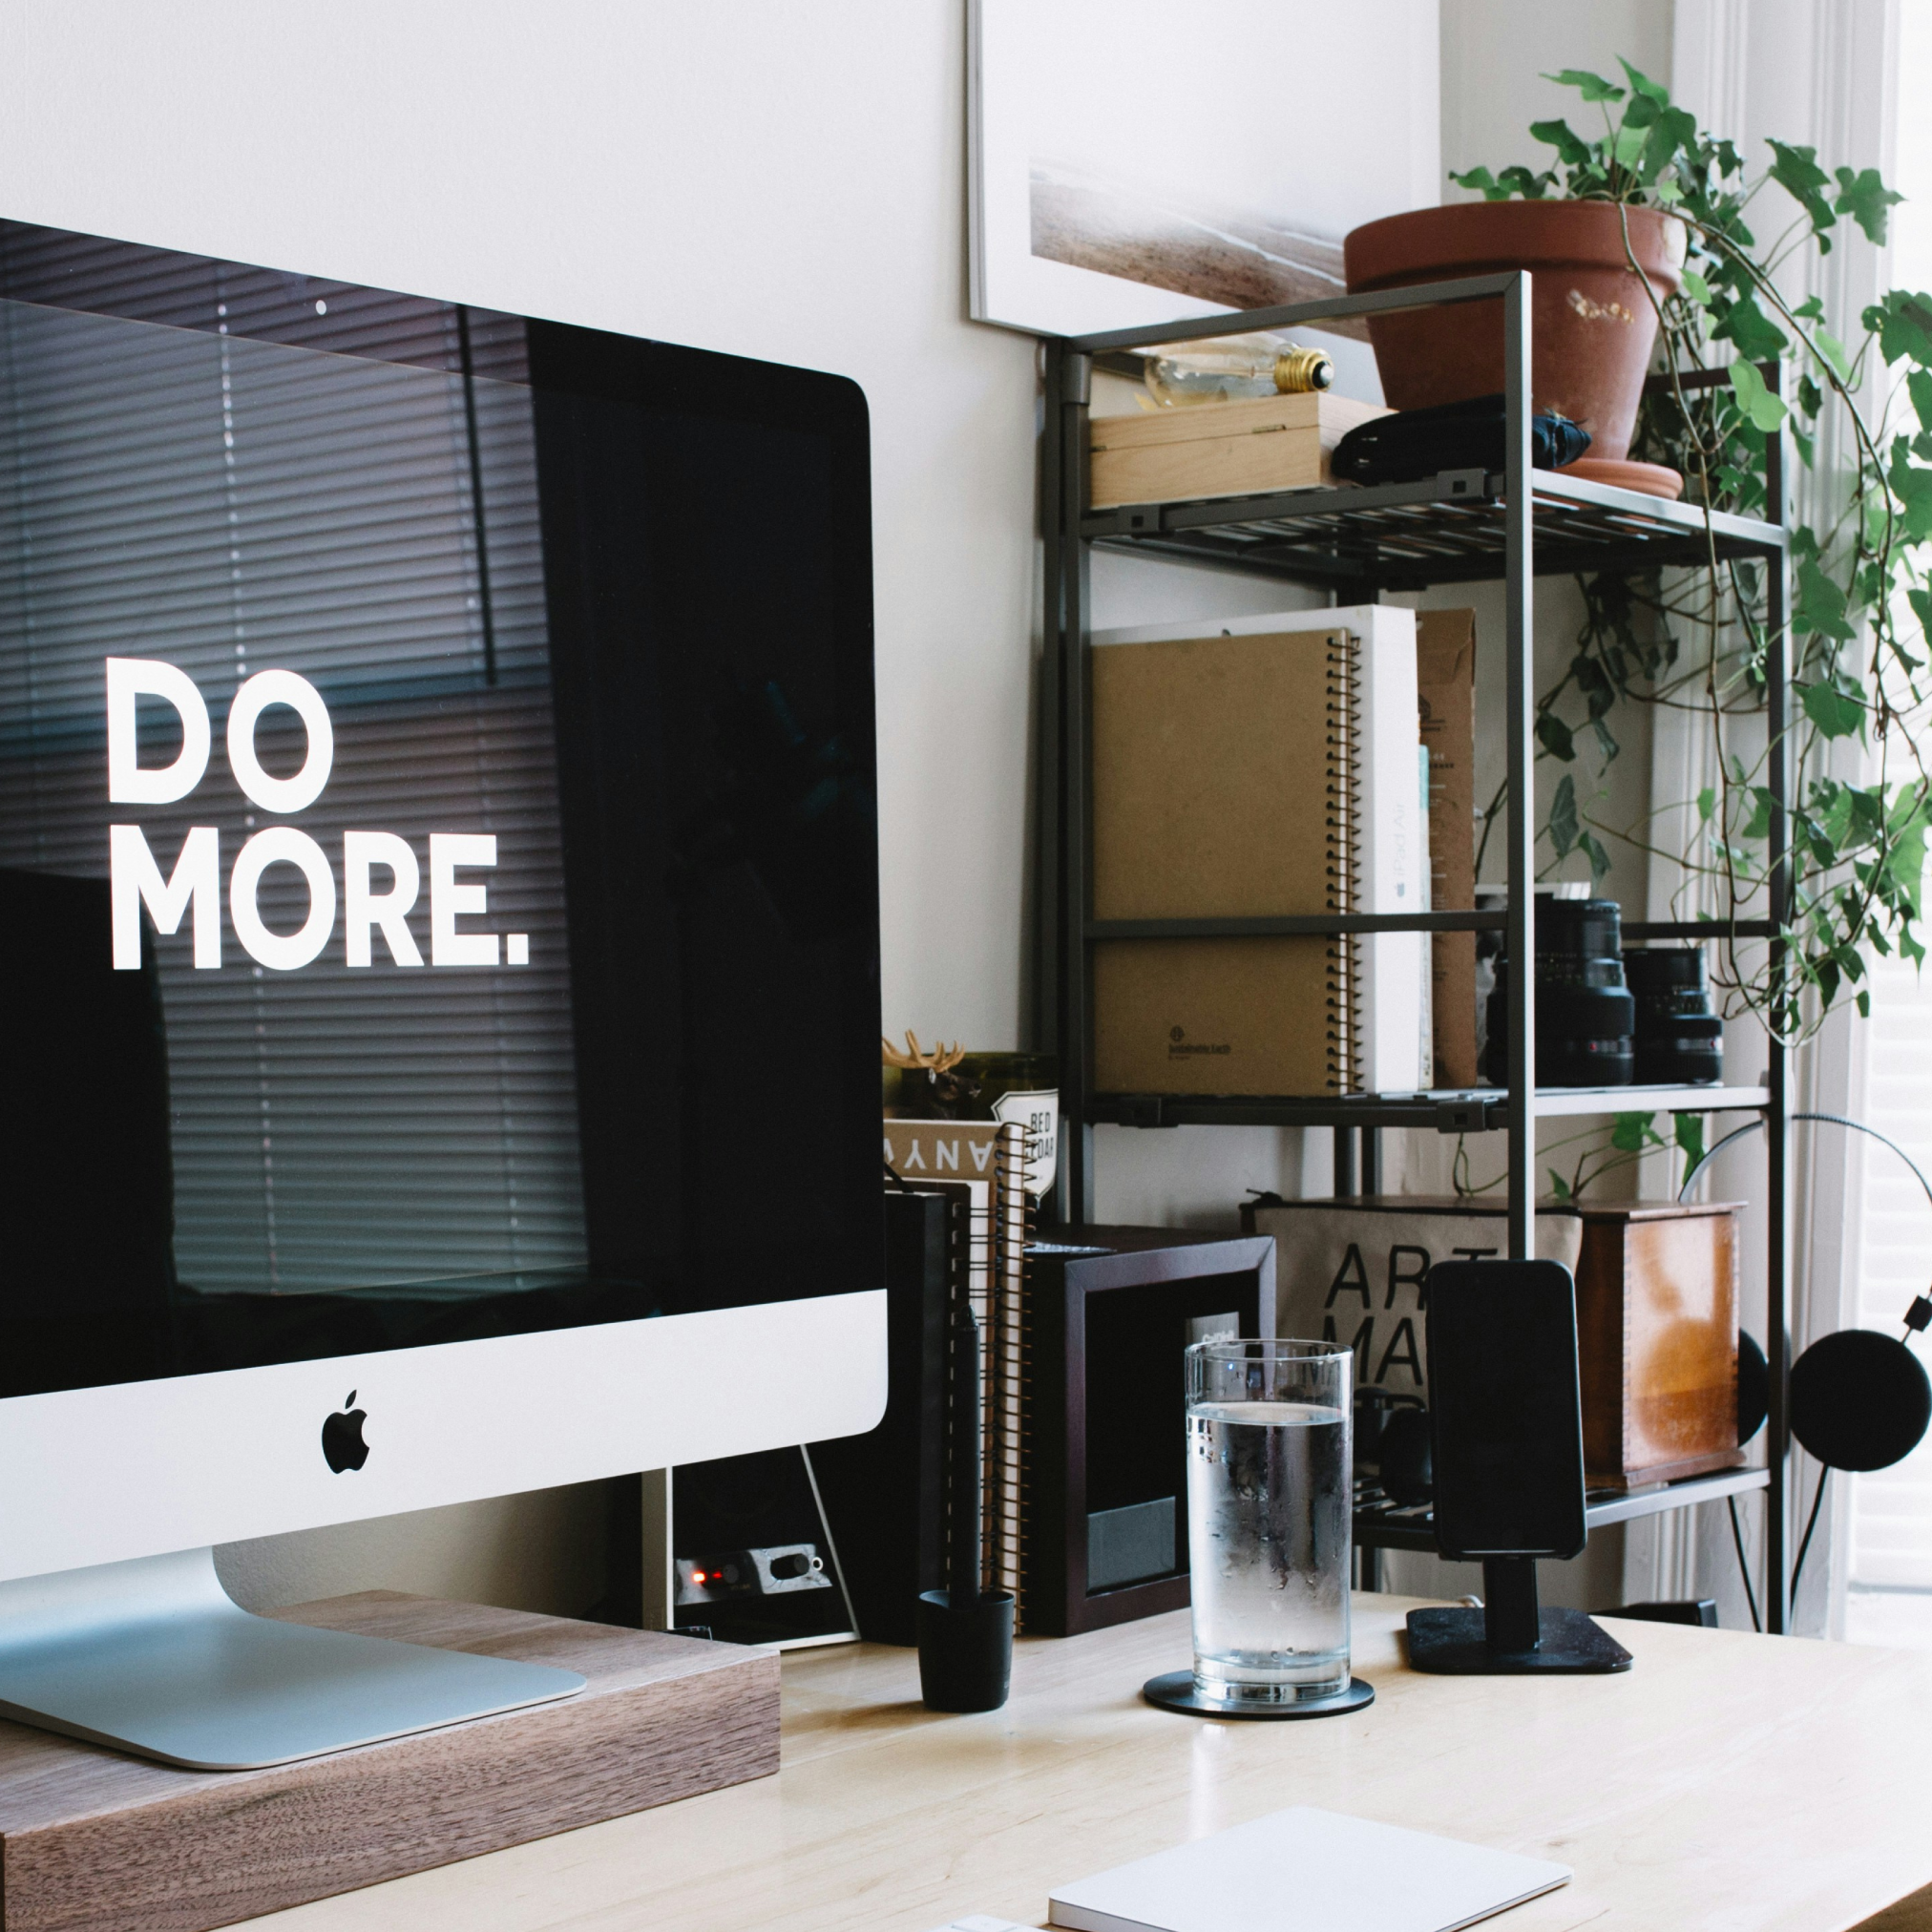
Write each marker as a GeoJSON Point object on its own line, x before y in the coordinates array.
{"type": "Point", "coordinates": [1757, 337]}
{"type": "Point", "coordinates": [1918, 386]}
{"type": "Point", "coordinates": [1695, 288]}
{"type": "Point", "coordinates": [1632, 1133]}
{"type": "Point", "coordinates": [1672, 131]}
{"type": "Point", "coordinates": [1571, 149]}
{"type": "Point", "coordinates": [1521, 182]}
{"type": "Point", "coordinates": [1835, 713]}
{"type": "Point", "coordinates": [1558, 1185]}
{"type": "Point", "coordinates": [1707, 803]}
{"type": "Point", "coordinates": [1627, 149]}
{"type": "Point", "coordinates": [1689, 1137]}
{"type": "Point", "coordinates": [1820, 610]}
{"type": "Point", "coordinates": [1482, 180]}
{"type": "Point", "coordinates": [1797, 171]}
{"type": "Point", "coordinates": [1563, 816]}
{"type": "Point", "coordinates": [1911, 484]}
{"type": "Point", "coordinates": [1905, 861]}
{"type": "Point", "coordinates": [1902, 323]}
{"type": "Point", "coordinates": [1554, 736]}
{"type": "Point", "coordinates": [1763, 410]}
{"type": "Point", "coordinates": [1865, 197]}
{"type": "Point", "coordinates": [1641, 83]}
{"type": "Point", "coordinates": [1593, 86]}
{"type": "Point", "coordinates": [1589, 846]}
{"type": "Point", "coordinates": [1834, 352]}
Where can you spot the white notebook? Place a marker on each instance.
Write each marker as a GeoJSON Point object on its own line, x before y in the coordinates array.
{"type": "Point", "coordinates": [1307, 1871]}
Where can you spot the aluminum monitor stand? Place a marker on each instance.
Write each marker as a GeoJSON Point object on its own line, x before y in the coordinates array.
{"type": "Point", "coordinates": [155, 1657]}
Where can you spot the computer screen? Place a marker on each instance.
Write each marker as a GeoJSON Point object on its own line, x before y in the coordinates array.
{"type": "Point", "coordinates": [438, 845]}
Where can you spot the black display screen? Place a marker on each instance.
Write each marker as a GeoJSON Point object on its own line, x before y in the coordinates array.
{"type": "Point", "coordinates": [437, 839]}
{"type": "Point", "coordinates": [1507, 1424]}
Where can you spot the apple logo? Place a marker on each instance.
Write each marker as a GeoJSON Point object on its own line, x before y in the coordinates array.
{"type": "Point", "coordinates": [342, 1437]}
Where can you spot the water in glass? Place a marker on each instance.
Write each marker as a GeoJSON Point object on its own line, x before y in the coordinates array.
{"type": "Point", "coordinates": [1269, 1533]}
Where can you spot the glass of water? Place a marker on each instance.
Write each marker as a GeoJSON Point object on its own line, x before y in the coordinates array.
{"type": "Point", "coordinates": [1268, 1512]}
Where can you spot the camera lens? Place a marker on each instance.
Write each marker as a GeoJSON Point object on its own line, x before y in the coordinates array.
{"type": "Point", "coordinates": [1585, 1018]}
{"type": "Point", "coordinates": [1680, 1040]}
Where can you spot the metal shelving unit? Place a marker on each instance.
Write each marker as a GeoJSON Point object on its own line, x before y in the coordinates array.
{"type": "Point", "coordinates": [1462, 526]}
{"type": "Point", "coordinates": [1383, 1524]}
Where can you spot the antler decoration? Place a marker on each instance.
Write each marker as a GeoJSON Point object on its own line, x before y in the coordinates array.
{"type": "Point", "coordinates": [941, 1060]}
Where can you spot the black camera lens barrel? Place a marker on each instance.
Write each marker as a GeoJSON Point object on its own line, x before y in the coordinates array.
{"type": "Point", "coordinates": [1585, 1016]}
{"type": "Point", "coordinates": [1679, 1039]}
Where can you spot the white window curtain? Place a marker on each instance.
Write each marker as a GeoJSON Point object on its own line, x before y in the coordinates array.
{"type": "Point", "coordinates": [1881, 1548]}
{"type": "Point", "coordinates": [1825, 73]}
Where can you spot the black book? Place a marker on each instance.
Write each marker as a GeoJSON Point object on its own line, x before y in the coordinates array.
{"type": "Point", "coordinates": [883, 1492]}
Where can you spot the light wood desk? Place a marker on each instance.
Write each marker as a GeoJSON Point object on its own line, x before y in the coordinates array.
{"type": "Point", "coordinates": [1728, 1781]}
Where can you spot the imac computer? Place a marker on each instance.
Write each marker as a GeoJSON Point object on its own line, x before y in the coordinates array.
{"type": "Point", "coordinates": [438, 953]}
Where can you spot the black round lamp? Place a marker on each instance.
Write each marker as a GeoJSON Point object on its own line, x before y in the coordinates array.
{"type": "Point", "coordinates": [1753, 1388]}
{"type": "Point", "coordinates": [1860, 1399]}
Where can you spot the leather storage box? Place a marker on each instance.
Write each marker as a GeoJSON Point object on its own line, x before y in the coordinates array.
{"type": "Point", "coordinates": [1657, 1338]}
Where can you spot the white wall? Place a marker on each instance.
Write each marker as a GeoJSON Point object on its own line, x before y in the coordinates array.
{"type": "Point", "coordinates": [1494, 54]}
{"type": "Point", "coordinates": [768, 180]}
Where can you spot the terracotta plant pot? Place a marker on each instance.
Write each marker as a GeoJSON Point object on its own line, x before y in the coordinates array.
{"type": "Point", "coordinates": [1592, 325]}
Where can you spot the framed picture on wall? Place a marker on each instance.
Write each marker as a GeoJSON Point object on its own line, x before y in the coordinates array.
{"type": "Point", "coordinates": [1136, 160]}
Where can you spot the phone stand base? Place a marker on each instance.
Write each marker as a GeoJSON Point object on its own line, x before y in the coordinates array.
{"type": "Point", "coordinates": [1175, 1691]}
{"type": "Point", "coordinates": [1455, 1643]}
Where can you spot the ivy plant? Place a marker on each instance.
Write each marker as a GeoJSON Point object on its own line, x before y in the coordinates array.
{"type": "Point", "coordinates": [1600, 1151]}
{"type": "Point", "coordinates": [1858, 415]}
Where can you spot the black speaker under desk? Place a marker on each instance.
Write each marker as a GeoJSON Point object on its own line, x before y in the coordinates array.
{"type": "Point", "coordinates": [1104, 1505]}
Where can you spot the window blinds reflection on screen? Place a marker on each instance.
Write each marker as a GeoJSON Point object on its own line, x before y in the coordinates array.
{"type": "Point", "coordinates": [230, 506]}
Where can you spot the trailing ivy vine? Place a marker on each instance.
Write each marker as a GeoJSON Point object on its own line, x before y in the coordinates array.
{"type": "Point", "coordinates": [1862, 599]}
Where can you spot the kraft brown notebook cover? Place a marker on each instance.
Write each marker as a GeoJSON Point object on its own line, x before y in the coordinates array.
{"type": "Point", "coordinates": [1225, 784]}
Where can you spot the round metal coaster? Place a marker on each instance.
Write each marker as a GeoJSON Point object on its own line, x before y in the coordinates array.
{"type": "Point", "coordinates": [1175, 1691]}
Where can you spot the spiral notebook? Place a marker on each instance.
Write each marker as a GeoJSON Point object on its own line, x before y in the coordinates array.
{"type": "Point", "coordinates": [1266, 767]}
{"type": "Point", "coordinates": [1305, 1870]}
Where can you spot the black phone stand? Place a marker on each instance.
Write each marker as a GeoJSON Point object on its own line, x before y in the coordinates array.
{"type": "Point", "coordinates": [1510, 1636]}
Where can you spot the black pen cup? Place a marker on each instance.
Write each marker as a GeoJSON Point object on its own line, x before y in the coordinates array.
{"type": "Point", "coordinates": [965, 1654]}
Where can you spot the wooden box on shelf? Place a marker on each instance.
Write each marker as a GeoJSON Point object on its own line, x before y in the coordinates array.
{"type": "Point", "coordinates": [1219, 449]}
{"type": "Point", "coordinates": [1658, 1340]}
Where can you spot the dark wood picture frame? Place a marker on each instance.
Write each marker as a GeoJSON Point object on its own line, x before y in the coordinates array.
{"type": "Point", "coordinates": [1206, 1274]}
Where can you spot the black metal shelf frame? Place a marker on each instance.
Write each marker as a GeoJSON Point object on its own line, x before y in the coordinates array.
{"type": "Point", "coordinates": [1462, 526]}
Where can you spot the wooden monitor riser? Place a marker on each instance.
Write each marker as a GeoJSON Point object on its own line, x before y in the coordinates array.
{"type": "Point", "coordinates": [92, 1841]}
